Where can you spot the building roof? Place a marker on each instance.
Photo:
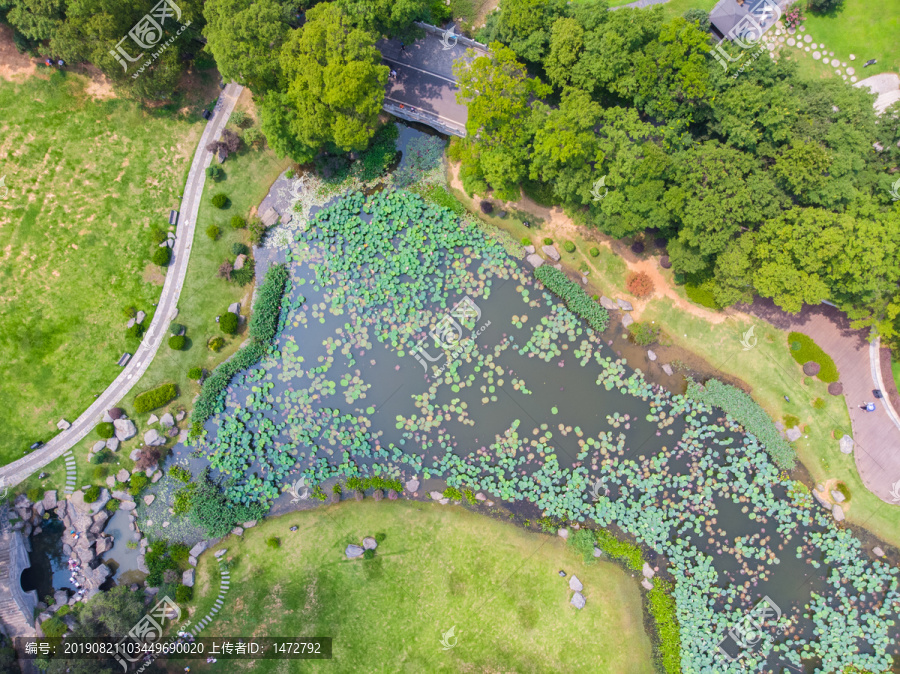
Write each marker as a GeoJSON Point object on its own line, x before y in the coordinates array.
{"type": "Point", "coordinates": [728, 14]}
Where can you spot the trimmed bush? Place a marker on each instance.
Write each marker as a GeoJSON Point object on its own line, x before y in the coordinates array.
{"type": "Point", "coordinates": [136, 331]}
{"type": "Point", "coordinates": [213, 232]}
{"type": "Point", "coordinates": [548, 241]}
{"type": "Point", "coordinates": [228, 323]}
{"type": "Point", "coordinates": [137, 483]}
{"type": "Point", "coordinates": [162, 256]}
{"type": "Point", "coordinates": [804, 349]}
{"type": "Point", "coordinates": [238, 248]}
{"type": "Point", "coordinates": [790, 421]}
{"type": "Point", "coordinates": [183, 594]}
{"type": "Point", "coordinates": [637, 247]}
{"type": "Point", "coordinates": [220, 200]}
{"type": "Point", "coordinates": [639, 284]}
{"type": "Point", "coordinates": [569, 247]}
{"type": "Point", "coordinates": [177, 342]}
{"type": "Point", "coordinates": [237, 222]}
{"type": "Point", "coordinates": [112, 505]}
{"type": "Point", "coordinates": [92, 494]}
{"type": "Point", "coordinates": [195, 373]}
{"type": "Point", "coordinates": [176, 328]}
{"type": "Point", "coordinates": [702, 295]}
{"type": "Point", "coordinates": [216, 344]}
{"type": "Point", "coordinates": [105, 430]}
{"type": "Point", "coordinates": [238, 117]}
{"type": "Point", "coordinates": [155, 398]}
{"type": "Point", "coordinates": [748, 414]}
{"type": "Point", "coordinates": [575, 298]}
{"type": "Point", "coordinates": [595, 252]}
{"type": "Point", "coordinates": [273, 542]}
{"type": "Point", "coordinates": [818, 404]}
{"type": "Point", "coordinates": [526, 241]}
{"type": "Point", "coordinates": [215, 172]}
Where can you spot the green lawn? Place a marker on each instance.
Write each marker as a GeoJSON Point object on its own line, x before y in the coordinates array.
{"type": "Point", "coordinates": [895, 368]}
{"type": "Point", "coordinates": [86, 180]}
{"type": "Point", "coordinates": [868, 30]}
{"type": "Point", "coordinates": [438, 567]}
{"type": "Point", "coordinates": [204, 296]}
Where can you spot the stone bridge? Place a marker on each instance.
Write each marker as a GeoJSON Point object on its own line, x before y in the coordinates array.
{"type": "Point", "coordinates": [16, 606]}
{"type": "Point", "coordinates": [424, 88]}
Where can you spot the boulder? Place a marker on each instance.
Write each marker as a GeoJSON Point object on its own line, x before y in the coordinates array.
{"type": "Point", "coordinates": [127, 506]}
{"type": "Point", "coordinates": [111, 481]}
{"type": "Point", "coordinates": [249, 525]}
{"type": "Point", "coordinates": [608, 304]}
{"type": "Point", "coordinates": [238, 531]}
{"type": "Point", "coordinates": [354, 551]}
{"type": "Point", "coordinates": [627, 320]}
{"type": "Point", "coordinates": [598, 552]}
{"type": "Point", "coordinates": [412, 485]}
{"type": "Point", "coordinates": [436, 495]}
{"type": "Point", "coordinates": [575, 584]}
{"type": "Point", "coordinates": [49, 500]}
{"type": "Point", "coordinates": [221, 553]}
{"type": "Point", "coordinates": [651, 355]}
{"type": "Point", "coordinates": [149, 498]}
{"type": "Point", "coordinates": [153, 438]}
{"type": "Point", "coordinates": [103, 545]}
{"type": "Point", "coordinates": [369, 543]}
{"type": "Point", "coordinates": [551, 252]}
{"type": "Point", "coordinates": [180, 416]}
{"type": "Point", "coordinates": [529, 250]}
{"type": "Point", "coordinates": [106, 418]}
{"type": "Point", "coordinates": [113, 444]}
{"type": "Point", "coordinates": [837, 496]}
{"type": "Point", "coordinates": [235, 308]}
{"type": "Point", "coordinates": [535, 260]}
{"type": "Point", "coordinates": [846, 443]}
{"type": "Point", "coordinates": [239, 262]}
{"type": "Point", "coordinates": [793, 434]}
{"type": "Point", "coordinates": [563, 533]}
{"type": "Point", "coordinates": [99, 445]}
{"type": "Point", "coordinates": [480, 497]}
{"type": "Point", "coordinates": [152, 420]}
{"type": "Point", "coordinates": [668, 369]}
{"type": "Point", "coordinates": [77, 501]}
{"type": "Point", "coordinates": [142, 565]}
{"type": "Point", "coordinates": [878, 551]}
{"type": "Point", "coordinates": [167, 420]}
{"type": "Point", "coordinates": [156, 476]}
{"type": "Point", "coordinates": [125, 429]}
{"type": "Point", "coordinates": [187, 578]}
{"type": "Point", "coordinates": [122, 495]}
{"type": "Point", "coordinates": [647, 585]}
{"type": "Point", "coordinates": [648, 571]}
{"type": "Point", "coordinates": [123, 475]}
{"type": "Point", "coordinates": [136, 453]}
{"type": "Point", "coordinates": [444, 501]}
{"type": "Point", "coordinates": [838, 513]}
{"type": "Point", "coordinates": [577, 600]}
{"type": "Point", "coordinates": [192, 560]}
{"type": "Point", "coordinates": [624, 305]}
{"type": "Point", "coordinates": [63, 425]}
{"type": "Point", "coordinates": [139, 317]}
{"type": "Point", "coordinates": [820, 497]}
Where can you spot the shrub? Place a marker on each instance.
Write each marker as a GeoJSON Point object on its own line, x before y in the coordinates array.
{"type": "Point", "coordinates": [548, 241]}
{"type": "Point", "coordinates": [228, 323]}
{"type": "Point", "coordinates": [273, 542]}
{"type": "Point", "coordinates": [526, 241]}
{"type": "Point", "coordinates": [639, 284]}
{"type": "Point", "coordinates": [252, 136]}
{"type": "Point", "coordinates": [790, 421]}
{"type": "Point", "coordinates": [184, 499]}
{"type": "Point", "coordinates": [136, 331]}
{"type": "Point", "coordinates": [35, 494]}
{"type": "Point", "coordinates": [177, 342]}
{"type": "Point", "coordinates": [53, 628]}
{"type": "Point", "coordinates": [238, 248]}
{"type": "Point", "coordinates": [662, 608]}
{"type": "Point", "coordinates": [267, 307]}
{"type": "Point", "coordinates": [213, 232]}
{"type": "Point", "coordinates": [65, 609]}
{"type": "Point", "coordinates": [154, 398]}
{"type": "Point", "coordinates": [256, 230]}
{"type": "Point", "coordinates": [180, 473]}
{"type": "Point", "coordinates": [157, 235]}
{"type": "Point", "coordinates": [643, 334]}
{"type": "Point", "coordinates": [237, 222]}
{"type": "Point", "coordinates": [148, 458]}
{"type": "Point", "coordinates": [162, 256]}
{"type": "Point", "coordinates": [225, 270]}
{"type": "Point", "coordinates": [130, 311]}
{"type": "Point", "coordinates": [183, 594]}
{"type": "Point", "coordinates": [594, 251]}
{"type": "Point", "coordinates": [701, 16]}
{"type": "Point", "coordinates": [98, 474]}
{"type": "Point", "coordinates": [375, 160]}
{"type": "Point", "coordinates": [380, 537]}
{"type": "Point", "coordinates": [621, 550]}
{"type": "Point", "coordinates": [176, 328]}
{"type": "Point", "coordinates": [319, 494]}
{"type": "Point", "coordinates": [105, 430]}
{"type": "Point", "coordinates": [220, 200]}
{"type": "Point", "coordinates": [289, 174]}
{"type": "Point", "coordinates": [702, 294]}
{"type": "Point", "coordinates": [804, 349]}
{"type": "Point", "coordinates": [486, 207]}
{"type": "Point", "coordinates": [216, 344]}
{"type": "Point", "coordinates": [113, 505]}
{"type": "Point", "coordinates": [195, 373]}
{"type": "Point", "coordinates": [137, 483]}
{"type": "Point", "coordinates": [748, 414]}
{"type": "Point", "coordinates": [569, 247]}
{"type": "Point", "coordinates": [637, 247]}
{"type": "Point", "coordinates": [575, 298]}
{"type": "Point", "coordinates": [92, 494]}
{"type": "Point", "coordinates": [215, 172]}
{"type": "Point", "coordinates": [843, 489]}
{"type": "Point", "coordinates": [453, 494]}
{"type": "Point", "coordinates": [244, 275]}
{"type": "Point", "coordinates": [369, 554]}
{"type": "Point", "coordinates": [584, 541]}
{"type": "Point", "coordinates": [818, 404]}
{"type": "Point", "coordinates": [238, 117]}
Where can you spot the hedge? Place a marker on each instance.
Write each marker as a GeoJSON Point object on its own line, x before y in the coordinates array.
{"type": "Point", "coordinates": [228, 323]}
{"type": "Point", "coordinates": [263, 327]}
{"type": "Point", "coordinates": [177, 342]}
{"type": "Point", "coordinates": [574, 297]}
{"type": "Point", "coordinates": [743, 409]}
{"type": "Point", "coordinates": [701, 295]}
{"type": "Point", "coordinates": [804, 349]}
{"type": "Point", "coordinates": [154, 398]}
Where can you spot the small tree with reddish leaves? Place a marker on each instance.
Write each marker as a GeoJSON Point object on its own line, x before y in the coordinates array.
{"type": "Point", "coordinates": [225, 270]}
{"type": "Point", "coordinates": [639, 284]}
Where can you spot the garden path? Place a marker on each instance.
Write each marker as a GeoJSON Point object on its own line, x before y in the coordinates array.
{"type": "Point", "coordinates": [166, 310]}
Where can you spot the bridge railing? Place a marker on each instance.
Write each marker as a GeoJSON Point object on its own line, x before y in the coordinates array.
{"type": "Point", "coordinates": [416, 115]}
{"type": "Point", "coordinates": [461, 39]}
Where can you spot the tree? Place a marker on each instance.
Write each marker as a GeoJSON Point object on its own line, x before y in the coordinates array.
{"type": "Point", "coordinates": [162, 256]}
{"type": "Point", "coordinates": [225, 270]}
{"type": "Point", "coordinates": [389, 17]}
{"type": "Point", "coordinates": [228, 323]}
{"type": "Point", "coordinates": [177, 342]}
{"type": "Point", "coordinates": [526, 26]}
{"type": "Point", "coordinates": [245, 36]}
{"type": "Point", "coordinates": [639, 284]}
{"type": "Point", "coordinates": [335, 86]}
{"type": "Point", "coordinates": [36, 19]}
{"type": "Point", "coordinates": [566, 44]}
{"type": "Point", "coordinates": [802, 170]}
{"type": "Point", "coordinates": [824, 6]}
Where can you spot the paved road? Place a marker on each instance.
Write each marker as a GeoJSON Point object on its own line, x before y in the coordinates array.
{"type": "Point", "coordinates": [17, 471]}
{"type": "Point", "coordinates": [876, 434]}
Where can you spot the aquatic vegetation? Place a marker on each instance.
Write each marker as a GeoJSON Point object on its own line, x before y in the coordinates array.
{"type": "Point", "coordinates": [574, 296]}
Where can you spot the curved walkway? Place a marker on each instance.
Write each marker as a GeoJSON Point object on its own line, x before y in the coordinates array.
{"type": "Point", "coordinates": [166, 310]}
{"type": "Point", "coordinates": [876, 435]}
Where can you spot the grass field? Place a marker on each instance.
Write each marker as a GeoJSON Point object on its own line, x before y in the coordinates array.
{"type": "Point", "coordinates": [86, 181]}
{"type": "Point", "coordinates": [204, 296]}
{"type": "Point", "coordinates": [438, 567]}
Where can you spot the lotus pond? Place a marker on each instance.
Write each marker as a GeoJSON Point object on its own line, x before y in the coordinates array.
{"type": "Point", "coordinates": [412, 344]}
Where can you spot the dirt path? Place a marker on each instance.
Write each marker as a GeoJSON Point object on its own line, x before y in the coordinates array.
{"type": "Point", "coordinates": [559, 226]}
